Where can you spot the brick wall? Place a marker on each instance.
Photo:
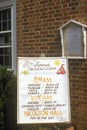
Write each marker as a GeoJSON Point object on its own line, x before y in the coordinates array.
{"type": "Point", "coordinates": [37, 33]}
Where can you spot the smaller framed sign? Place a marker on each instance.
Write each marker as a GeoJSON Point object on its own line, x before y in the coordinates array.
{"type": "Point", "coordinates": [74, 42]}
{"type": "Point", "coordinates": [43, 90]}
{"type": "Point", "coordinates": [73, 38]}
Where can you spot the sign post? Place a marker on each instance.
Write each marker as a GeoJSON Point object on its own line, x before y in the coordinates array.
{"type": "Point", "coordinates": [43, 90]}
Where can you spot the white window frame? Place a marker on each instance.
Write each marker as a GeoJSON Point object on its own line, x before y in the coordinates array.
{"type": "Point", "coordinates": [4, 4]}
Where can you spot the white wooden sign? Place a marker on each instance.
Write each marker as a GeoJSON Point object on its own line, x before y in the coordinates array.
{"type": "Point", "coordinates": [73, 40]}
{"type": "Point", "coordinates": [43, 90]}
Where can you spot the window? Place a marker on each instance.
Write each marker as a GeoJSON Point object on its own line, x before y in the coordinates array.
{"type": "Point", "coordinates": [5, 38]}
{"type": "Point", "coordinates": [8, 34]}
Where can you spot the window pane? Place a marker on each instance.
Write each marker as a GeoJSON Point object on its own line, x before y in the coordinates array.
{"type": "Point", "coordinates": [5, 57]}
{"type": "Point", "coordinates": [7, 51]}
{"type": "Point", "coordinates": [1, 60]}
{"type": "Point", "coordinates": [1, 56]}
{"type": "Point", "coordinates": [9, 25]}
{"type": "Point", "coordinates": [4, 15]}
{"type": "Point", "coordinates": [1, 51]}
{"type": "Point", "coordinates": [5, 26]}
{"type": "Point", "coordinates": [7, 39]}
{"type": "Point", "coordinates": [0, 16]}
{"type": "Point", "coordinates": [8, 61]}
{"type": "Point", "coordinates": [0, 26]}
{"type": "Point", "coordinates": [9, 13]}
{"type": "Point", "coordinates": [1, 39]}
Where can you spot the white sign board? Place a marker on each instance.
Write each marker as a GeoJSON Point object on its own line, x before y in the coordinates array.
{"type": "Point", "coordinates": [43, 90]}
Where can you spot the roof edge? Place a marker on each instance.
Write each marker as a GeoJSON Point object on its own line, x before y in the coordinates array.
{"type": "Point", "coordinates": [73, 21]}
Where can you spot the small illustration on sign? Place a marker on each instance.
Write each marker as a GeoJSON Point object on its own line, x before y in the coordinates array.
{"type": "Point", "coordinates": [61, 70]}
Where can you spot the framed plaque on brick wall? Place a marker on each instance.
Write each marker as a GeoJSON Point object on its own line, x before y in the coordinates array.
{"type": "Point", "coordinates": [73, 39]}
